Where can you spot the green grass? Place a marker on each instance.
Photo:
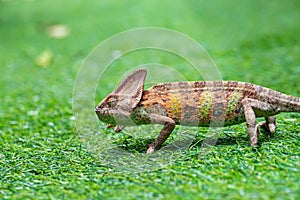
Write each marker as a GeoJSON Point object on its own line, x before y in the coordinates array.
{"type": "Point", "coordinates": [41, 155]}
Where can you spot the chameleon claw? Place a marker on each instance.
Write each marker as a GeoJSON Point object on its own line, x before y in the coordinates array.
{"type": "Point", "coordinates": [151, 149]}
{"type": "Point", "coordinates": [118, 128]}
{"type": "Point", "coordinates": [272, 128]}
{"type": "Point", "coordinates": [109, 126]}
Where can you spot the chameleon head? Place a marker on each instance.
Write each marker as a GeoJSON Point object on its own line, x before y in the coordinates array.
{"type": "Point", "coordinates": [117, 107]}
{"type": "Point", "coordinates": [104, 111]}
{"type": "Point", "coordinates": [112, 110]}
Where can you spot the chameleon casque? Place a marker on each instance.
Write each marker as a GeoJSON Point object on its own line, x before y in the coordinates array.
{"type": "Point", "coordinates": [193, 104]}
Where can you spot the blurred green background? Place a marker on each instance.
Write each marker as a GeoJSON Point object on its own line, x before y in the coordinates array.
{"type": "Point", "coordinates": [41, 155]}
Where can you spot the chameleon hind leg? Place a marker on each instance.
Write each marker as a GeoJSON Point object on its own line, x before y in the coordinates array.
{"type": "Point", "coordinates": [250, 107]}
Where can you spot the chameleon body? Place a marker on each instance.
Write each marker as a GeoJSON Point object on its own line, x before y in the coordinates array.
{"type": "Point", "coordinates": [197, 103]}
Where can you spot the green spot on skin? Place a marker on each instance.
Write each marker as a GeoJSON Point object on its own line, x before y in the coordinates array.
{"type": "Point", "coordinates": [175, 105]}
{"type": "Point", "coordinates": [232, 102]}
{"type": "Point", "coordinates": [205, 104]}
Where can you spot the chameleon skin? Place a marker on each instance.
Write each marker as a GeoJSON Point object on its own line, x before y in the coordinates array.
{"type": "Point", "coordinates": [190, 103]}
{"type": "Point", "coordinates": [198, 103]}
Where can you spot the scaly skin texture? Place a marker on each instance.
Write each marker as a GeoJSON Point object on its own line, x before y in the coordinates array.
{"type": "Point", "coordinates": [199, 103]}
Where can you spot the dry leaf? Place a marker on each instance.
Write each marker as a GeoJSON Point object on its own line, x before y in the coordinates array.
{"type": "Point", "coordinates": [58, 31]}
{"type": "Point", "coordinates": [44, 59]}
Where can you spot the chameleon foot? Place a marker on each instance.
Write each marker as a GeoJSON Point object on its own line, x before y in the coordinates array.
{"type": "Point", "coordinates": [269, 124]}
{"type": "Point", "coordinates": [109, 126]}
{"type": "Point", "coordinates": [150, 149]}
{"type": "Point", "coordinates": [118, 128]}
{"type": "Point", "coordinates": [254, 136]}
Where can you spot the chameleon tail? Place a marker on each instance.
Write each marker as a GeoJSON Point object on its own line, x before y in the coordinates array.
{"type": "Point", "coordinates": [289, 103]}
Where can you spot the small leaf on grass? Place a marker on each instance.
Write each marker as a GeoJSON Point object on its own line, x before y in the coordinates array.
{"type": "Point", "coordinates": [58, 31]}
{"type": "Point", "coordinates": [44, 59]}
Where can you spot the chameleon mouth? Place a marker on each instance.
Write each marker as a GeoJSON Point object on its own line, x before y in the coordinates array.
{"type": "Point", "coordinates": [97, 109]}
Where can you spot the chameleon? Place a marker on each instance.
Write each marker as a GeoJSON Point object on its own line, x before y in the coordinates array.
{"type": "Point", "coordinates": [193, 103]}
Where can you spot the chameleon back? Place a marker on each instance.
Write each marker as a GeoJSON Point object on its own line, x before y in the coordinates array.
{"type": "Point", "coordinates": [195, 103]}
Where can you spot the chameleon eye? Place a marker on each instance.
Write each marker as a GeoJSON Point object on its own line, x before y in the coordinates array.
{"type": "Point", "coordinates": [112, 102]}
{"type": "Point", "coordinates": [101, 106]}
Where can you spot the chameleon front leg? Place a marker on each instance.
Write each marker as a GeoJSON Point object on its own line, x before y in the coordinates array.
{"type": "Point", "coordinates": [249, 106]}
{"type": "Point", "coordinates": [169, 126]}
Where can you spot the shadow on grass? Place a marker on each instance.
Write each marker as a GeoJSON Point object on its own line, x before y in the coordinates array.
{"type": "Point", "coordinates": [139, 145]}
{"type": "Point", "coordinates": [132, 144]}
